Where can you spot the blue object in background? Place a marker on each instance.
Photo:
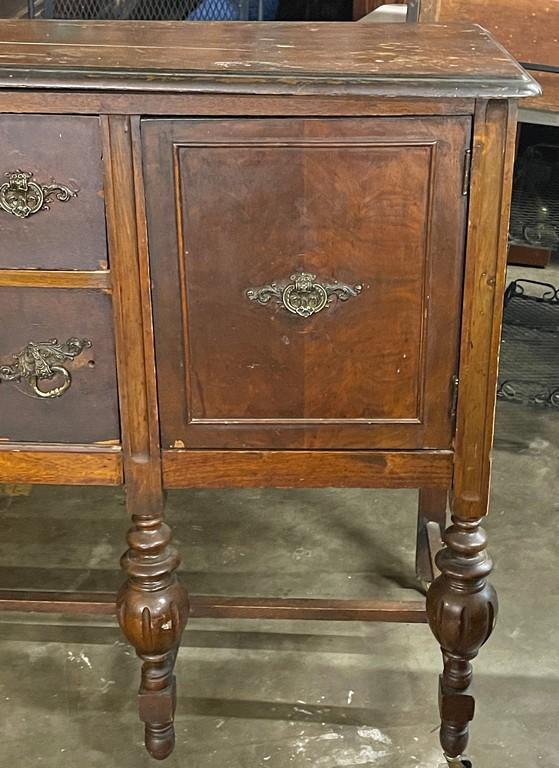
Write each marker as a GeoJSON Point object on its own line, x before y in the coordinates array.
{"type": "Point", "coordinates": [229, 10]}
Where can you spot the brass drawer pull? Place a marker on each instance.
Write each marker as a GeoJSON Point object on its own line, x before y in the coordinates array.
{"type": "Point", "coordinates": [301, 295]}
{"type": "Point", "coordinates": [22, 196]}
{"type": "Point", "coordinates": [41, 361]}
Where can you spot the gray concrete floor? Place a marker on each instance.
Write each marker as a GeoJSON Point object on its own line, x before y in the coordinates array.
{"type": "Point", "coordinates": [281, 695]}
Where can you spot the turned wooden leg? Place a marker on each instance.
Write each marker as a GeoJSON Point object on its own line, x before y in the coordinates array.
{"type": "Point", "coordinates": [153, 611]}
{"type": "Point", "coordinates": [462, 608]}
{"type": "Point", "coordinates": [431, 522]}
{"type": "Point", "coordinates": [152, 606]}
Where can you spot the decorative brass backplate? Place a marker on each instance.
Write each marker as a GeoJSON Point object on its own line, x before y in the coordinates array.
{"type": "Point", "coordinates": [41, 360]}
{"type": "Point", "coordinates": [302, 295]}
{"type": "Point", "coordinates": [22, 196]}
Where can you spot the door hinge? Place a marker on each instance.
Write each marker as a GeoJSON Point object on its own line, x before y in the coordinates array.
{"type": "Point", "coordinates": [454, 395]}
{"type": "Point", "coordinates": [467, 171]}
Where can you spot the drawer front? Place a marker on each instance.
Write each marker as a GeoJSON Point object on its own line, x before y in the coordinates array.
{"type": "Point", "coordinates": [52, 213]}
{"type": "Point", "coordinates": [307, 280]}
{"type": "Point", "coordinates": [61, 391]}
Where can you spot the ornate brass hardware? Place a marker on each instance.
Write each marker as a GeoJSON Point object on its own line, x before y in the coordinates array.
{"type": "Point", "coordinates": [302, 295]}
{"type": "Point", "coordinates": [40, 361]}
{"type": "Point", "coordinates": [22, 196]}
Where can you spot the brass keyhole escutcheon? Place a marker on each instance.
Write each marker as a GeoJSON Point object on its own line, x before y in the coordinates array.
{"type": "Point", "coordinates": [303, 294]}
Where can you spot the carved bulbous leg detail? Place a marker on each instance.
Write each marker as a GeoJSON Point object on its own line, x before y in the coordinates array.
{"type": "Point", "coordinates": [153, 610]}
{"type": "Point", "coordinates": [462, 609]}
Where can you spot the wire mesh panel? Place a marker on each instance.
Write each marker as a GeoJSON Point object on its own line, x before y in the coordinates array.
{"type": "Point", "coordinates": [185, 10]}
{"type": "Point", "coordinates": [535, 200]}
{"type": "Point", "coordinates": [529, 371]}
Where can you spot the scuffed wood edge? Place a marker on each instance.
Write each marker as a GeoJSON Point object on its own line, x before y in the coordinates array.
{"type": "Point", "coordinates": [484, 283]}
{"type": "Point", "coordinates": [43, 278]}
{"type": "Point", "coordinates": [128, 259]}
{"type": "Point", "coordinates": [310, 469]}
{"type": "Point", "coordinates": [60, 465]}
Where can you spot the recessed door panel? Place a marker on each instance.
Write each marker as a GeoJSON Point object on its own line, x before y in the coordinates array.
{"type": "Point", "coordinates": [307, 280]}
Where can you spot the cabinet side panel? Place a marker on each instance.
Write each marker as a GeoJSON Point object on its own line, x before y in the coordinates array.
{"type": "Point", "coordinates": [484, 283]}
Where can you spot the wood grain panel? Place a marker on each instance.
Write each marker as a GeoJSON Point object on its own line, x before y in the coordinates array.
{"type": "Point", "coordinates": [56, 465]}
{"type": "Point", "coordinates": [132, 310]}
{"type": "Point", "coordinates": [311, 469]}
{"type": "Point", "coordinates": [484, 286]}
{"type": "Point", "coordinates": [88, 411]}
{"type": "Point", "coordinates": [529, 29]}
{"type": "Point", "coordinates": [348, 201]}
{"type": "Point", "coordinates": [67, 150]}
{"type": "Point", "coordinates": [549, 100]}
{"type": "Point", "coordinates": [224, 57]}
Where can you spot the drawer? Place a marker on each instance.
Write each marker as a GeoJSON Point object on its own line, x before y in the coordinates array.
{"type": "Point", "coordinates": [306, 280]}
{"type": "Point", "coordinates": [87, 411]}
{"type": "Point", "coordinates": [43, 224]}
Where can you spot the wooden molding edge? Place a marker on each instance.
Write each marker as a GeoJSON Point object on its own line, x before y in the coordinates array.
{"type": "Point", "coordinates": [43, 278]}
{"type": "Point", "coordinates": [220, 105]}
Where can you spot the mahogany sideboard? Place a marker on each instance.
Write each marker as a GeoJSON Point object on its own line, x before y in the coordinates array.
{"type": "Point", "coordinates": [243, 255]}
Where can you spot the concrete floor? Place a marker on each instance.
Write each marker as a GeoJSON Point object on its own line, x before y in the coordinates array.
{"type": "Point", "coordinates": [281, 695]}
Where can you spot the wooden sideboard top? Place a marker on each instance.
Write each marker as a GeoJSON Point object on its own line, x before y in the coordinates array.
{"type": "Point", "coordinates": [259, 58]}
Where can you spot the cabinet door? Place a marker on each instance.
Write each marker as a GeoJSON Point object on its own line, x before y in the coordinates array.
{"type": "Point", "coordinates": [306, 279]}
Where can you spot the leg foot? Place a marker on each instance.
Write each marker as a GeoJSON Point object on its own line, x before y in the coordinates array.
{"type": "Point", "coordinates": [458, 762]}
{"type": "Point", "coordinates": [152, 608]}
{"type": "Point", "coordinates": [462, 608]}
{"type": "Point", "coordinates": [157, 700]}
{"type": "Point", "coordinates": [160, 740]}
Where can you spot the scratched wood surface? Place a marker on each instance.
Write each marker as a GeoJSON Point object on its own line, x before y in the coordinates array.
{"type": "Point", "coordinates": [370, 372]}
{"type": "Point", "coordinates": [67, 150]}
{"type": "Point", "coordinates": [58, 464]}
{"type": "Point", "coordinates": [88, 411]}
{"type": "Point", "coordinates": [529, 29]}
{"type": "Point", "coordinates": [460, 60]}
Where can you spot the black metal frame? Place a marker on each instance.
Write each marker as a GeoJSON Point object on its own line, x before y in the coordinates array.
{"type": "Point", "coordinates": [531, 390]}
{"type": "Point", "coordinates": [126, 11]}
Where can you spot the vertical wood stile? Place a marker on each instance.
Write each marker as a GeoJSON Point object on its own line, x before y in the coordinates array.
{"type": "Point", "coordinates": [152, 606]}
{"type": "Point", "coordinates": [482, 312]}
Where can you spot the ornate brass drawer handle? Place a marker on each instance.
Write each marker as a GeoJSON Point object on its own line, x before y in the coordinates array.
{"type": "Point", "coordinates": [40, 361]}
{"type": "Point", "coordinates": [302, 295]}
{"type": "Point", "coordinates": [22, 196]}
